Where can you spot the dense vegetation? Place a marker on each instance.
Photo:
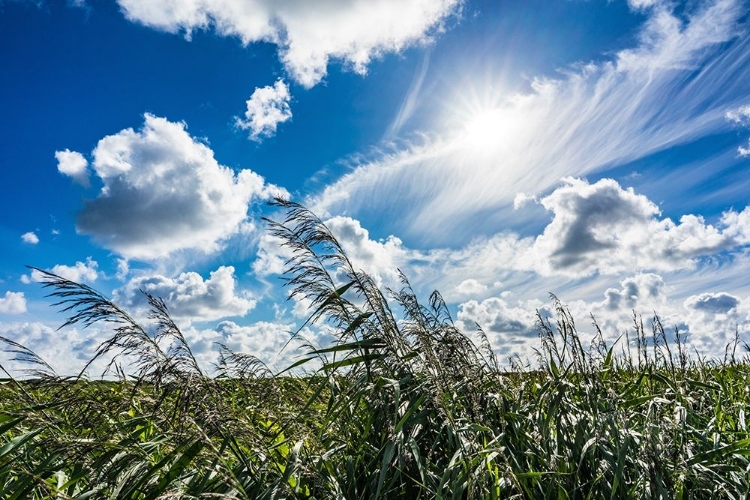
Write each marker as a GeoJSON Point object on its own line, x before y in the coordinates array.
{"type": "Point", "coordinates": [402, 405]}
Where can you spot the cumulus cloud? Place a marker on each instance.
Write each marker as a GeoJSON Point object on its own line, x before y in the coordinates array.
{"type": "Point", "coordinates": [308, 34]}
{"type": "Point", "coordinates": [714, 303]}
{"type": "Point", "coordinates": [271, 256]}
{"type": "Point", "coordinates": [603, 227]}
{"type": "Point", "coordinates": [13, 303]}
{"type": "Point", "coordinates": [738, 225]}
{"type": "Point", "coordinates": [708, 321]}
{"type": "Point", "coordinates": [669, 89]}
{"type": "Point", "coordinates": [30, 238]}
{"type": "Point", "coordinates": [511, 328]}
{"type": "Point", "coordinates": [189, 296]}
{"type": "Point", "coordinates": [81, 272]}
{"type": "Point", "coordinates": [471, 287]}
{"type": "Point", "coordinates": [599, 228]}
{"type": "Point", "coordinates": [646, 289]}
{"type": "Point", "coordinates": [67, 350]}
{"type": "Point", "coordinates": [74, 165]}
{"type": "Point", "coordinates": [266, 108]}
{"type": "Point", "coordinates": [496, 315]}
{"type": "Point", "coordinates": [380, 259]}
{"type": "Point", "coordinates": [163, 192]}
{"type": "Point", "coordinates": [596, 228]}
{"type": "Point", "coordinates": [263, 340]}
{"type": "Point", "coordinates": [740, 116]}
{"type": "Point", "coordinates": [712, 320]}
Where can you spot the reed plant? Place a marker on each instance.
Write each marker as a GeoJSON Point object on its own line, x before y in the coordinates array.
{"type": "Point", "coordinates": [402, 404]}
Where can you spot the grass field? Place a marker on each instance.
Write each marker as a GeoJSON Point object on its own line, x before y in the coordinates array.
{"type": "Point", "coordinates": [401, 405]}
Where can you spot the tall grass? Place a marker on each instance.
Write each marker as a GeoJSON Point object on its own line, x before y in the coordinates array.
{"type": "Point", "coordinates": [402, 404]}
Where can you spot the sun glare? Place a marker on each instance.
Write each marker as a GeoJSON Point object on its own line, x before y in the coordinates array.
{"type": "Point", "coordinates": [482, 128]}
{"type": "Point", "coordinates": [488, 130]}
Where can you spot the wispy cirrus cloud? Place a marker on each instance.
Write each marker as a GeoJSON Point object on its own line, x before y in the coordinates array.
{"type": "Point", "coordinates": [674, 87]}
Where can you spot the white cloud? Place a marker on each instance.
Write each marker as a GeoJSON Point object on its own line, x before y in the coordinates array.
{"type": "Point", "coordinates": [123, 268]}
{"type": "Point", "coordinates": [163, 192]}
{"type": "Point", "coordinates": [708, 321]}
{"type": "Point", "coordinates": [602, 227]}
{"type": "Point", "coordinates": [668, 90]}
{"type": "Point", "coordinates": [713, 319]}
{"type": "Point", "coordinates": [642, 4]}
{"type": "Point", "coordinates": [740, 116]}
{"type": "Point", "coordinates": [267, 107]}
{"type": "Point", "coordinates": [380, 259]}
{"type": "Point", "coordinates": [712, 303]}
{"type": "Point", "coordinates": [81, 272]}
{"type": "Point", "coordinates": [263, 340]}
{"type": "Point", "coordinates": [471, 287]}
{"type": "Point", "coordinates": [271, 256]}
{"type": "Point", "coordinates": [190, 297]}
{"type": "Point", "coordinates": [596, 229]}
{"type": "Point", "coordinates": [497, 316]}
{"type": "Point", "coordinates": [738, 225]}
{"type": "Point", "coordinates": [511, 329]}
{"type": "Point", "coordinates": [639, 291]}
{"type": "Point", "coordinates": [308, 34]}
{"type": "Point", "coordinates": [13, 303]}
{"type": "Point", "coordinates": [74, 165]}
{"type": "Point", "coordinates": [67, 350]}
{"type": "Point", "coordinates": [30, 238]}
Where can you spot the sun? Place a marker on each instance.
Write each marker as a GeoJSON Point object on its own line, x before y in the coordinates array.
{"type": "Point", "coordinates": [486, 129]}
{"type": "Point", "coordinates": [487, 120]}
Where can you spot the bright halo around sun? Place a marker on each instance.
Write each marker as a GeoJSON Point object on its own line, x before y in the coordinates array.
{"type": "Point", "coordinates": [482, 128]}
{"type": "Point", "coordinates": [488, 130]}
{"type": "Point", "coordinates": [488, 120]}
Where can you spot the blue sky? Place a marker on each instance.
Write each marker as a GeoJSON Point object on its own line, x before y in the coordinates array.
{"type": "Point", "coordinates": [496, 151]}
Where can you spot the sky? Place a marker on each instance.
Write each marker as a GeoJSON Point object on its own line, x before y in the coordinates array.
{"type": "Point", "coordinates": [495, 151]}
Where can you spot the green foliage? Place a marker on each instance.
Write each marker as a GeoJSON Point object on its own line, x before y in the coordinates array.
{"type": "Point", "coordinates": [401, 405]}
